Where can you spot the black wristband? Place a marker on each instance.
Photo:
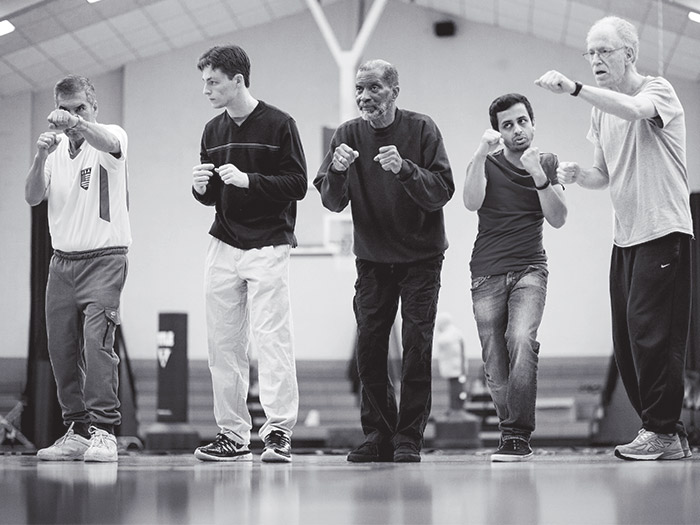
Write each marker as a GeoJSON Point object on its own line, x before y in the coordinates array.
{"type": "Point", "coordinates": [577, 89]}
{"type": "Point", "coordinates": [538, 188]}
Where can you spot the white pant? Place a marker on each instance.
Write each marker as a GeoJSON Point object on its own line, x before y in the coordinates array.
{"type": "Point", "coordinates": [247, 291]}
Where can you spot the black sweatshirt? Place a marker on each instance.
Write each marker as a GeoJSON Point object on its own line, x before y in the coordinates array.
{"type": "Point", "coordinates": [267, 147]}
{"type": "Point", "coordinates": [397, 218]}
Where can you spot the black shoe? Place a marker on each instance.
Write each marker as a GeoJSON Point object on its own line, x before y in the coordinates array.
{"type": "Point", "coordinates": [370, 451]}
{"type": "Point", "coordinates": [278, 448]}
{"type": "Point", "coordinates": [407, 452]}
{"type": "Point", "coordinates": [223, 449]}
{"type": "Point", "coordinates": [512, 448]}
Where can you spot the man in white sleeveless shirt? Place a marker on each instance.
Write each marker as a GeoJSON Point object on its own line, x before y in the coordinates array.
{"type": "Point", "coordinates": [80, 169]}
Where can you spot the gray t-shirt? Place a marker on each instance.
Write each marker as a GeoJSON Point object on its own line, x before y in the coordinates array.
{"type": "Point", "coordinates": [646, 162]}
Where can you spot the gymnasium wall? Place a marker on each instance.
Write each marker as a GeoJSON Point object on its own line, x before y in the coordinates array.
{"type": "Point", "coordinates": [453, 79]}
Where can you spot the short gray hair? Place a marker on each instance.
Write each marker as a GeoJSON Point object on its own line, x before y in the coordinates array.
{"type": "Point", "coordinates": [74, 84]}
{"type": "Point", "coordinates": [390, 74]}
{"type": "Point", "coordinates": [625, 30]}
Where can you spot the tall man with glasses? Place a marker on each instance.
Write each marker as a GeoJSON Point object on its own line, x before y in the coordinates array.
{"type": "Point", "coordinates": [638, 131]}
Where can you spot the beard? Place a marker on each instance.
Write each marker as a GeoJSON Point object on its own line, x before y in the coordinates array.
{"type": "Point", "coordinates": [376, 113]}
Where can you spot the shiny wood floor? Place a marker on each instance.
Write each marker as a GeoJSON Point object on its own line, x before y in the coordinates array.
{"type": "Point", "coordinates": [560, 486]}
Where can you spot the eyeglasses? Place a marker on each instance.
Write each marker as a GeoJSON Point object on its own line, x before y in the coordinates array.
{"type": "Point", "coordinates": [602, 53]}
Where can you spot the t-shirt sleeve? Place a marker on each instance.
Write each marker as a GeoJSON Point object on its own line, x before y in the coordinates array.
{"type": "Point", "coordinates": [665, 100]}
{"type": "Point", "coordinates": [121, 135]}
{"type": "Point", "coordinates": [593, 135]}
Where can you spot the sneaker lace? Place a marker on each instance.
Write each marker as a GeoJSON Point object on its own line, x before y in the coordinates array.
{"type": "Point", "coordinates": [98, 437]}
{"type": "Point", "coordinates": [277, 439]}
{"type": "Point", "coordinates": [67, 435]}
{"type": "Point", "coordinates": [517, 443]}
{"type": "Point", "coordinates": [225, 443]}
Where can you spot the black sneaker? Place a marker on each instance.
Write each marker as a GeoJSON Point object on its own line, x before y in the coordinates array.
{"type": "Point", "coordinates": [223, 449]}
{"type": "Point", "coordinates": [370, 451]}
{"type": "Point", "coordinates": [278, 448]}
{"type": "Point", "coordinates": [512, 448]}
{"type": "Point", "coordinates": [407, 452]}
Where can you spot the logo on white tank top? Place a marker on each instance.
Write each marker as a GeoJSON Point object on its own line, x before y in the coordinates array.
{"type": "Point", "coordinates": [85, 178]}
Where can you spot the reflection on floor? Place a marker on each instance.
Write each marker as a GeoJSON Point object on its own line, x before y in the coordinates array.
{"type": "Point", "coordinates": [560, 486]}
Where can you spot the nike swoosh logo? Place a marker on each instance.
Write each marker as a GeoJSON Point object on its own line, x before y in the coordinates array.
{"type": "Point", "coordinates": [665, 265]}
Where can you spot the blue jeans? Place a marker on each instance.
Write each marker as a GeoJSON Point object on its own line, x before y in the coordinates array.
{"type": "Point", "coordinates": [508, 310]}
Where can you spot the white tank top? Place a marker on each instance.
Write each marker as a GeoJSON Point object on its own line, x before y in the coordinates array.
{"type": "Point", "coordinates": [88, 197]}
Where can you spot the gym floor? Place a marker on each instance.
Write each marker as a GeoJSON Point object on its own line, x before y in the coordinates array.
{"type": "Point", "coordinates": [559, 486]}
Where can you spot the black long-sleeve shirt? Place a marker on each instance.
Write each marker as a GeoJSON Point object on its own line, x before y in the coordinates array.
{"type": "Point", "coordinates": [267, 147]}
{"type": "Point", "coordinates": [397, 218]}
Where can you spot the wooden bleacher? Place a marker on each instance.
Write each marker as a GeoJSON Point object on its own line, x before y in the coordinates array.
{"type": "Point", "coordinates": [568, 392]}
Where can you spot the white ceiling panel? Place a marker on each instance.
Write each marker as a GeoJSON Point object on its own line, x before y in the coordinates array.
{"type": "Point", "coordinates": [165, 9]}
{"type": "Point", "coordinates": [213, 14]}
{"type": "Point", "coordinates": [253, 17]}
{"type": "Point", "coordinates": [548, 26]}
{"type": "Point", "coordinates": [153, 49]}
{"type": "Point", "coordinates": [280, 8]}
{"type": "Point", "coordinates": [60, 45]}
{"type": "Point", "coordinates": [547, 6]}
{"type": "Point", "coordinates": [45, 71]}
{"type": "Point", "coordinates": [131, 21]}
{"type": "Point", "coordinates": [72, 35]}
{"type": "Point", "coordinates": [74, 62]}
{"type": "Point", "coordinates": [95, 33]}
{"type": "Point", "coordinates": [28, 56]}
{"type": "Point", "coordinates": [480, 14]}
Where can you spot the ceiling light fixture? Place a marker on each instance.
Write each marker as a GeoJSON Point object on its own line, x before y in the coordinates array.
{"type": "Point", "coordinates": [92, 1]}
{"type": "Point", "coordinates": [695, 17]}
{"type": "Point", "coordinates": [6, 27]}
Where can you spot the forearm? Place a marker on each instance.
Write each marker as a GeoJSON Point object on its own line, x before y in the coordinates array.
{"type": "Point", "coordinates": [287, 186]}
{"type": "Point", "coordinates": [624, 106]}
{"type": "Point", "coordinates": [98, 136]}
{"type": "Point", "coordinates": [553, 205]}
{"type": "Point", "coordinates": [35, 186]}
{"type": "Point", "coordinates": [333, 187]}
{"type": "Point", "coordinates": [592, 178]}
{"type": "Point", "coordinates": [475, 183]}
{"type": "Point", "coordinates": [430, 188]}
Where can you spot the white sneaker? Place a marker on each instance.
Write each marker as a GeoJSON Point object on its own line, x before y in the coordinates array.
{"type": "Point", "coordinates": [649, 445]}
{"type": "Point", "coordinates": [103, 446]}
{"type": "Point", "coordinates": [687, 453]}
{"type": "Point", "coordinates": [69, 447]}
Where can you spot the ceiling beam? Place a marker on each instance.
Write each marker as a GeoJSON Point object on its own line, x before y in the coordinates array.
{"type": "Point", "coordinates": [13, 8]}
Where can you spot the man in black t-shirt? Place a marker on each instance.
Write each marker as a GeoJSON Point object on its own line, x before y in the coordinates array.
{"type": "Point", "coordinates": [513, 189]}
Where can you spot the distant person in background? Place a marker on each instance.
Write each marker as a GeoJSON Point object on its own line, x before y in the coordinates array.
{"type": "Point", "coordinates": [253, 171]}
{"type": "Point", "coordinates": [80, 168]}
{"type": "Point", "coordinates": [513, 188]}
{"type": "Point", "coordinates": [638, 131]}
{"type": "Point", "coordinates": [391, 166]}
{"type": "Point", "coordinates": [452, 360]}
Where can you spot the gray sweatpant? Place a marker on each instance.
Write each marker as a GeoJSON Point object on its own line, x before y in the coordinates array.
{"type": "Point", "coordinates": [82, 313]}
